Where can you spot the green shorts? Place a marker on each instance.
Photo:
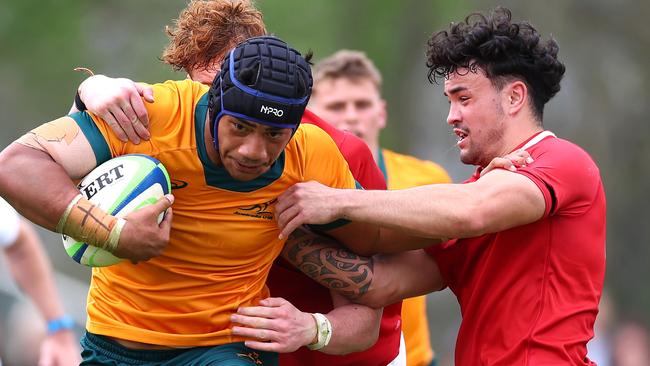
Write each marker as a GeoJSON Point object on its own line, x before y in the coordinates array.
{"type": "Point", "coordinates": [99, 350]}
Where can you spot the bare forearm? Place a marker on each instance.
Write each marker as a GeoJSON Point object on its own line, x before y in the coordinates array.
{"type": "Point", "coordinates": [430, 211]}
{"type": "Point", "coordinates": [355, 328]}
{"type": "Point", "coordinates": [498, 201]}
{"type": "Point", "coordinates": [33, 273]}
{"type": "Point", "coordinates": [35, 184]}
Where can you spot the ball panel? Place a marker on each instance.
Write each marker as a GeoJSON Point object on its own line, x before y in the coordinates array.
{"type": "Point", "coordinates": [118, 186]}
{"type": "Point", "coordinates": [138, 186]}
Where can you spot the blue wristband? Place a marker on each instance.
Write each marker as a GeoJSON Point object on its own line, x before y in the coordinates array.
{"type": "Point", "coordinates": [59, 324]}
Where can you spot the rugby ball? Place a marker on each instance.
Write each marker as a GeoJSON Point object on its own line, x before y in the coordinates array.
{"type": "Point", "coordinates": [118, 186]}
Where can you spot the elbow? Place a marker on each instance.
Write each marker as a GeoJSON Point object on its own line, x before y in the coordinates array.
{"type": "Point", "coordinates": [378, 297]}
{"type": "Point", "coordinates": [375, 299]}
{"type": "Point", "coordinates": [365, 342]}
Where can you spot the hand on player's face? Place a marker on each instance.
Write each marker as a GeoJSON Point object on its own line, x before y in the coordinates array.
{"type": "Point", "coordinates": [142, 237]}
{"type": "Point", "coordinates": [512, 161]}
{"type": "Point", "coordinates": [119, 103]}
{"type": "Point", "coordinates": [275, 326]}
{"type": "Point", "coordinates": [306, 203]}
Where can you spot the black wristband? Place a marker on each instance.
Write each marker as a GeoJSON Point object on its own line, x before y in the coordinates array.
{"type": "Point", "coordinates": [78, 103]}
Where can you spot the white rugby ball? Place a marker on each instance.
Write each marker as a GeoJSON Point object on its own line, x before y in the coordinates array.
{"type": "Point", "coordinates": [118, 186]}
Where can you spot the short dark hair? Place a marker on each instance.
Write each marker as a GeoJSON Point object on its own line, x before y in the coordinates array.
{"type": "Point", "coordinates": [503, 49]}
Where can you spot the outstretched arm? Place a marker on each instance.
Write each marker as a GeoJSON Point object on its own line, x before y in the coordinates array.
{"type": "Point", "coordinates": [375, 281]}
{"type": "Point", "coordinates": [33, 273]}
{"type": "Point", "coordinates": [498, 201]}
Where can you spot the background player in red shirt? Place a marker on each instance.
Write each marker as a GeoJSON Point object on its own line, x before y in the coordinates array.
{"type": "Point", "coordinates": [347, 93]}
{"type": "Point", "coordinates": [529, 262]}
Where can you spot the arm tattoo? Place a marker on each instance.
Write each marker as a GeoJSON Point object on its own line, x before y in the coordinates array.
{"type": "Point", "coordinates": [325, 261]}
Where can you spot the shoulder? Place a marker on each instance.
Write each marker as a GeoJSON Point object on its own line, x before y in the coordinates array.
{"type": "Point", "coordinates": [564, 156]}
{"type": "Point", "coordinates": [427, 172]}
{"type": "Point", "coordinates": [307, 135]}
{"type": "Point", "coordinates": [182, 90]}
{"type": "Point", "coordinates": [565, 173]}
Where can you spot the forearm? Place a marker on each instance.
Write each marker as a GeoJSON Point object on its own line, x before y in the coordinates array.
{"type": "Point", "coordinates": [33, 273]}
{"type": "Point", "coordinates": [375, 281]}
{"type": "Point", "coordinates": [355, 328]}
{"type": "Point", "coordinates": [498, 201]}
{"type": "Point", "coordinates": [38, 187]}
{"type": "Point", "coordinates": [437, 211]}
{"type": "Point", "coordinates": [325, 261]}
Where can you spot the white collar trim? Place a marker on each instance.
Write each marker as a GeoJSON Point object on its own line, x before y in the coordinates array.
{"type": "Point", "coordinates": [537, 139]}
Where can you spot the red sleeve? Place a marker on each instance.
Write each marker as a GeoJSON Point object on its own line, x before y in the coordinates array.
{"type": "Point", "coordinates": [354, 150]}
{"type": "Point", "coordinates": [565, 174]}
{"type": "Point", "coordinates": [445, 254]}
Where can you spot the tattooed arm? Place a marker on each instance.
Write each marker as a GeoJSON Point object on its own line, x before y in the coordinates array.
{"type": "Point", "coordinates": [375, 281]}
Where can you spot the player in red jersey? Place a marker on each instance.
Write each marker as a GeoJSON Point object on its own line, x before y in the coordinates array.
{"type": "Point", "coordinates": [528, 263]}
{"type": "Point", "coordinates": [118, 102]}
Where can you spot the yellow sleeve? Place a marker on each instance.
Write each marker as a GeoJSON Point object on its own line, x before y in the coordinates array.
{"type": "Point", "coordinates": [174, 102]}
{"type": "Point", "coordinates": [323, 162]}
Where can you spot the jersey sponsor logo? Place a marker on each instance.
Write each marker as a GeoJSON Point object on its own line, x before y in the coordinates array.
{"type": "Point", "coordinates": [270, 110]}
{"type": "Point", "coordinates": [178, 184]}
{"type": "Point", "coordinates": [260, 210]}
{"type": "Point", "coordinates": [102, 181]}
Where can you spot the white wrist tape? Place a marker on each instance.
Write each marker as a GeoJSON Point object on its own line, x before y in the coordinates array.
{"type": "Point", "coordinates": [323, 332]}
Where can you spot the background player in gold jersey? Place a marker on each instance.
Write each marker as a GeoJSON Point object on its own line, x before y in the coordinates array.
{"type": "Point", "coordinates": [235, 146]}
{"type": "Point", "coordinates": [347, 92]}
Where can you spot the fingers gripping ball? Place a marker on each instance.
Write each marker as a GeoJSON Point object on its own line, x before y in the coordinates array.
{"type": "Point", "coordinates": [119, 186]}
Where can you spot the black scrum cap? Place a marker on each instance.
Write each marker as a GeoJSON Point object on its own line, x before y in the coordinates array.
{"type": "Point", "coordinates": [262, 80]}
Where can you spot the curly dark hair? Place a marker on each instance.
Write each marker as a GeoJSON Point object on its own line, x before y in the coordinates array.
{"type": "Point", "coordinates": [504, 50]}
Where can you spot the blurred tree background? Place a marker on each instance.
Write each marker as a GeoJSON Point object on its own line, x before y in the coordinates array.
{"type": "Point", "coordinates": [603, 105]}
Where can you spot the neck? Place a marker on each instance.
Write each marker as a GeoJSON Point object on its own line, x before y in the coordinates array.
{"type": "Point", "coordinates": [518, 133]}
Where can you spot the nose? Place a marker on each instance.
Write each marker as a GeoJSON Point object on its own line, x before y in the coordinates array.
{"type": "Point", "coordinates": [253, 149]}
{"type": "Point", "coordinates": [351, 115]}
{"type": "Point", "coordinates": [454, 116]}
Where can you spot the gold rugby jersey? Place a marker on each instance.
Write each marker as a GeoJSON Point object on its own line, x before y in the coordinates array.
{"type": "Point", "coordinates": [224, 234]}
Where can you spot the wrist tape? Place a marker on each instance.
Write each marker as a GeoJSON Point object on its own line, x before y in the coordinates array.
{"type": "Point", "coordinates": [86, 222]}
{"type": "Point", "coordinates": [323, 332]}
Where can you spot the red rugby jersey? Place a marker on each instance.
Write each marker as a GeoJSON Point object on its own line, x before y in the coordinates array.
{"type": "Point", "coordinates": [529, 295]}
{"type": "Point", "coordinates": [307, 295]}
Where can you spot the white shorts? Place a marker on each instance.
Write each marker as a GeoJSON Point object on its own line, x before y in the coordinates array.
{"type": "Point", "coordinates": [400, 360]}
{"type": "Point", "coordinates": [9, 224]}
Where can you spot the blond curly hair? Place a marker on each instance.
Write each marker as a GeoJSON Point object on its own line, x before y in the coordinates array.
{"type": "Point", "coordinates": [206, 29]}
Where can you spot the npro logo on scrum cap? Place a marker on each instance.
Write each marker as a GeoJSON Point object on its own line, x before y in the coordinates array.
{"type": "Point", "coordinates": [270, 110]}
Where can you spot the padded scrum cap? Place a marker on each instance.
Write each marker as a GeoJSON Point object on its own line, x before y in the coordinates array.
{"type": "Point", "coordinates": [262, 80]}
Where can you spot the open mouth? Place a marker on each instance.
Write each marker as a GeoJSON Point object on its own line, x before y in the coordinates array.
{"type": "Point", "coordinates": [460, 134]}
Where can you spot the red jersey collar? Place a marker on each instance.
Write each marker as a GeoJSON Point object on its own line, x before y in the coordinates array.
{"type": "Point", "coordinates": [532, 140]}
{"type": "Point", "coordinates": [529, 142]}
